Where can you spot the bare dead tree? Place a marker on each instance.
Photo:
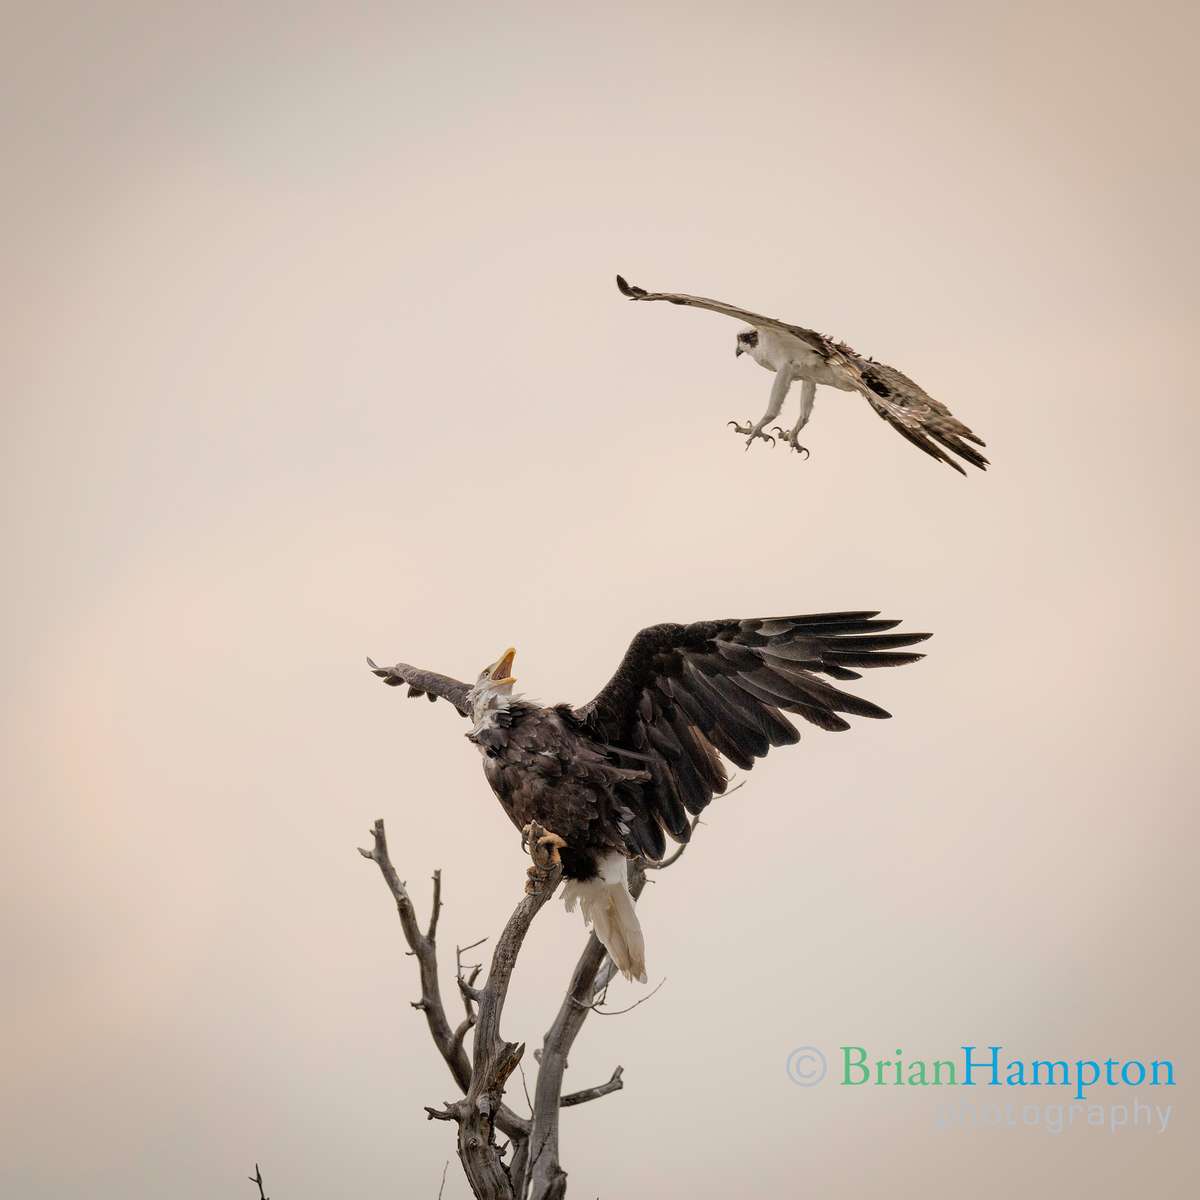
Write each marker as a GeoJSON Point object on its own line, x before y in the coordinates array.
{"type": "Point", "coordinates": [533, 1170]}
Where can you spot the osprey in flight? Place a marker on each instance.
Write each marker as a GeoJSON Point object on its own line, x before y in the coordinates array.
{"type": "Point", "coordinates": [609, 780]}
{"type": "Point", "coordinates": [793, 352]}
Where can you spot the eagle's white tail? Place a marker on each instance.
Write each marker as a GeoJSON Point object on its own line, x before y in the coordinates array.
{"type": "Point", "coordinates": [608, 908]}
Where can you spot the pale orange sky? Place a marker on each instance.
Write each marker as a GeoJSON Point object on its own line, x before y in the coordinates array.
{"type": "Point", "coordinates": [312, 351]}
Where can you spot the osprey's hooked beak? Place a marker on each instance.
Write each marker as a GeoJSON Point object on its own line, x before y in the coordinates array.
{"type": "Point", "coordinates": [738, 350]}
{"type": "Point", "coordinates": [500, 672]}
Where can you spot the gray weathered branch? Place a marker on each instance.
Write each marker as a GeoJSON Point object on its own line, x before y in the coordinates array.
{"type": "Point", "coordinates": [424, 948]}
{"type": "Point", "coordinates": [597, 1006]}
{"type": "Point", "coordinates": [547, 1180]}
{"type": "Point", "coordinates": [494, 1059]}
{"type": "Point", "coordinates": [614, 1084]}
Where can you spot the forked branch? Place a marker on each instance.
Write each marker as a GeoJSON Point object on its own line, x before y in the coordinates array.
{"type": "Point", "coordinates": [423, 945]}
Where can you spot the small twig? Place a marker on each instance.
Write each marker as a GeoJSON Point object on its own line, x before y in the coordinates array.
{"type": "Point", "coordinates": [672, 858]}
{"type": "Point", "coordinates": [677, 853]}
{"type": "Point", "coordinates": [257, 1178]}
{"type": "Point", "coordinates": [445, 1168]}
{"type": "Point", "coordinates": [693, 824]}
{"type": "Point", "coordinates": [466, 985]}
{"type": "Point", "coordinates": [600, 995]}
{"type": "Point", "coordinates": [431, 933]}
{"type": "Point", "coordinates": [525, 1088]}
{"type": "Point", "coordinates": [615, 1084]}
{"type": "Point", "coordinates": [605, 976]}
{"type": "Point", "coordinates": [616, 1012]}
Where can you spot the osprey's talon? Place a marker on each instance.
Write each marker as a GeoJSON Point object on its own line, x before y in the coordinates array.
{"type": "Point", "coordinates": [790, 438]}
{"type": "Point", "coordinates": [753, 431]}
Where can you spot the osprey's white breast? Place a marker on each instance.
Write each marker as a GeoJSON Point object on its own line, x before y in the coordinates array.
{"type": "Point", "coordinates": [775, 350]}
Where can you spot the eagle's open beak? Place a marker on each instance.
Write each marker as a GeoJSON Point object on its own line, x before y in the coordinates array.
{"type": "Point", "coordinates": [501, 671]}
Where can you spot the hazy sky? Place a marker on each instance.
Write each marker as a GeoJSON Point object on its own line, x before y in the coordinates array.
{"type": "Point", "coordinates": [312, 351]}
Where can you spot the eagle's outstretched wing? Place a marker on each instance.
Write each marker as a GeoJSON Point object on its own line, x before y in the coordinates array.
{"type": "Point", "coordinates": [425, 683]}
{"type": "Point", "coordinates": [810, 337]}
{"type": "Point", "coordinates": [684, 694]}
{"type": "Point", "coordinates": [903, 404]}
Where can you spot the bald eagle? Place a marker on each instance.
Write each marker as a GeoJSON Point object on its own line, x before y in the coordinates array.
{"type": "Point", "coordinates": [793, 352]}
{"type": "Point", "coordinates": [611, 780]}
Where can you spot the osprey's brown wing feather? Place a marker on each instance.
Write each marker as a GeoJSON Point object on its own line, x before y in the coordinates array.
{"type": "Point", "coordinates": [915, 414]}
{"type": "Point", "coordinates": [815, 340]}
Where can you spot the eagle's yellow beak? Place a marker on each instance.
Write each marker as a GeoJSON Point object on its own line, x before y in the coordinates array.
{"type": "Point", "coordinates": [500, 672]}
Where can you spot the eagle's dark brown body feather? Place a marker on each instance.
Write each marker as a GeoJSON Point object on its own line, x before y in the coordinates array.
{"type": "Point", "coordinates": [544, 768]}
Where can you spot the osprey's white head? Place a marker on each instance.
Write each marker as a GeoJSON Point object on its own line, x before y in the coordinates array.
{"type": "Point", "coordinates": [493, 687]}
{"type": "Point", "coordinates": [747, 341]}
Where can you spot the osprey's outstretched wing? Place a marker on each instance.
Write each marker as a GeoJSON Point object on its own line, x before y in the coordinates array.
{"type": "Point", "coordinates": [425, 683]}
{"type": "Point", "coordinates": [903, 404]}
{"type": "Point", "coordinates": [684, 694]}
{"type": "Point", "coordinates": [810, 337]}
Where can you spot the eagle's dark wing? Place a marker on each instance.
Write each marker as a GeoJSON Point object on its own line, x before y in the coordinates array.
{"type": "Point", "coordinates": [810, 337]}
{"type": "Point", "coordinates": [425, 683]}
{"type": "Point", "coordinates": [913, 413]}
{"type": "Point", "coordinates": [685, 693]}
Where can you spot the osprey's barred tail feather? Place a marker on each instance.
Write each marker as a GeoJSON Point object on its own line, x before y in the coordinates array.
{"type": "Point", "coordinates": [608, 908]}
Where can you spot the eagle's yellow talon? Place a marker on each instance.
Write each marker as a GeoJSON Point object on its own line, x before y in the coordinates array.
{"type": "Point", "coordinates": [555, 844]}
{"type": "Point", "coordinates": [544, 847]}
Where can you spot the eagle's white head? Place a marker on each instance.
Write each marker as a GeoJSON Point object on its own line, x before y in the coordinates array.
{"type": "Point", "coordinates": [493, 687]}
